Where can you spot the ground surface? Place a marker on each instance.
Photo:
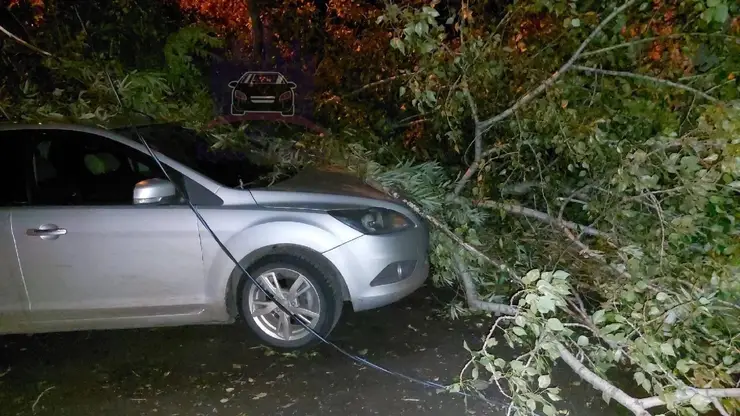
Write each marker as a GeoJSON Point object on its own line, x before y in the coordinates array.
{"type": "Point", "coordinates": [221, 370]}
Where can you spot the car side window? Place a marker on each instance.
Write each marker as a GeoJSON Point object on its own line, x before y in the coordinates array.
{"type": "Point", "coordinates": [13, 189]}
{"type": "Point", "coordinates": [78, 168]}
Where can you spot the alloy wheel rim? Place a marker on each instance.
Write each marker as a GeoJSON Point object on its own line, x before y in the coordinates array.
{"type": "Point", "coordinates": [294, 291]}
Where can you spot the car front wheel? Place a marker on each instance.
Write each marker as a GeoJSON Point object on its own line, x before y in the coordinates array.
{"type": "Point", "coordinates": [299, 286]}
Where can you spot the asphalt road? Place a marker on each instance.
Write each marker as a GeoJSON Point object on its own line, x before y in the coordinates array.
{"type": "Point", "coordinates": [222, 370]}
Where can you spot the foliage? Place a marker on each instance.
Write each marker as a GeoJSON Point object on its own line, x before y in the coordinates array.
{"type": "Point", "coordinates": [653, 168]}
{"type": "Point", "coordinates": [73, 85]}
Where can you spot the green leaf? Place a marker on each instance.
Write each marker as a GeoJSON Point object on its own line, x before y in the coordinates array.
{"type": "Point", "coordinates": [397, 43]}
{"type": "Point", "coordinates": [554, 324]}
{"type": "Point", "coordinates": [519, 331]}
{"type": "Point", "coordinates": [611, 328]}
{"type": "Point", "coordinates": [582, 341]}
{"type": "Point", "coordinates": [640, 377]}
{"type": "Point", "coordinates": [683, 366]}
{"type": "Point", "coordinates": [545, 304]}
{"type": "Point", "coordinates": [543, 381]}
{"type": "Point", "coordinates": [499, 362]}
{"type": "Point", "coordinates": [667, 349]}
{"type": "Point", "coordinates": [713, 3]}
{"type": "Point", "coordinates": [599, 316]}
{"type": "Point", "coordinates": [516, 366]}
{"type": "Point", "coordinates": [560, 275]}
{"type": "Point", "coordinates": [575, 22]}
{"type": "Point", "coordinates": [661, 297]}
{"type": "Point", "coordinates": [531, 277]}
{"type": "Point", "coordinates": [721, 13]}
{"type": "Point", "coordinates": [401, 91]}
{"type": "Point", "coordinates": [700, 402]}
{"type": "Point", "coordinates": [548, 410]}
{"type": "Point", "coordinates": [531, 404]}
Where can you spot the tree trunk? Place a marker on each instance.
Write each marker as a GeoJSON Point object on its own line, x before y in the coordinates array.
{"type": "Point", "coordinates": [322, 8]}
{"type": "Point", "coordinates": [258, 44]}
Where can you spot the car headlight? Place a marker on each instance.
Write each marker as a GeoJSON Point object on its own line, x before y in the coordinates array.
{"type": "Point", "coordinates": [284, 96]}
{"type": "Point", "coordinates": [373, 220]}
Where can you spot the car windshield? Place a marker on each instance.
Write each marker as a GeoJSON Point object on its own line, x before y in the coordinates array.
{"type": "Point", "coordinates": [266, 79]}
{"type": "Point", "coordinates": [193, 150]}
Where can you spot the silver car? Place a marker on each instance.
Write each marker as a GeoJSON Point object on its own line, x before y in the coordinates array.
{"type": "Point", "coordinates": [93, 237]}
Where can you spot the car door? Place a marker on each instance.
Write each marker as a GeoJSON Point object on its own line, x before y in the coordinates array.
{"type": "Point", "coordinates": [13, 299]}
{"type": "Point", "coordinates": [87, 253]}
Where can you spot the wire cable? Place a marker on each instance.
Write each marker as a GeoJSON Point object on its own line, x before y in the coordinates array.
{"type": "Point", "coordinates": [268, 293]}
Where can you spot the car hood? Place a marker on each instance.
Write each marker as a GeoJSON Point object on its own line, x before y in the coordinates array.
{"type": "Point", "coordinates": [329, 182]}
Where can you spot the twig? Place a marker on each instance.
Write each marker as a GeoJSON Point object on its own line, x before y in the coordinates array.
{"type": "Point", "coordinates": [2, 109]}
{"type": "Point", "coordinates": [24, 43]}
{"type": "Point", "coordinates": [626, 74]}
{"type": "Point", "coordinates": [483, 126]}
{"type": "Point", "coordinates": [33, 407]}
{"type": "Point", "coordinates": [546, 218]}
{"type": "Point", "coordinates": [652, 38]}
{"type": "Point", "coordinates": [586, 252]}
{"type": "Point", "coordinates": [4, 373]}
{"type": "Point", "coordinates": [376, 83]}
{"type": "Point", "coordinates": [477, 141]}
{"type": "Point", "coordinates": [659, 211]}
{"type": "Point", "coordinates": [721, 85]}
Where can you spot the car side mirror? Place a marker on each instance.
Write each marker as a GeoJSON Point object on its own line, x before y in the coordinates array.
{"type": "Point", "coordinates": [233, 84]}
{"type": "Point", "coordinates": [291, 84]}
{"type": "Point", "coordinates": [153, 191]}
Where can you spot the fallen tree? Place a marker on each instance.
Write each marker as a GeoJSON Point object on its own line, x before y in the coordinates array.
{"type": "Point", "coordinates": [660, 203]}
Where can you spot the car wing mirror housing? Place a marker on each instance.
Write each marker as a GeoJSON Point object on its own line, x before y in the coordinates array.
{"type": "Point", "coordinates": [154, 191]}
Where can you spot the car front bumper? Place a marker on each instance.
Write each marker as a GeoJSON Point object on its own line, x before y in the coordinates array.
{"type": "Point", "coordinates": [363, 260]}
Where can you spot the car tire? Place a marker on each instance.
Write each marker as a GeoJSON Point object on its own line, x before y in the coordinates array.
{"type": "Point", "coordinates": [321, 297]}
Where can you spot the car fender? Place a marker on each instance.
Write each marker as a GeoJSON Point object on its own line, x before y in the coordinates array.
{"type": "Point", "coordinates": [256, 240]}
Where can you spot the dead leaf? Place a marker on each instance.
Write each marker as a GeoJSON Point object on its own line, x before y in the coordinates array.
{"type": "Point", "coordinates": [259, 396]}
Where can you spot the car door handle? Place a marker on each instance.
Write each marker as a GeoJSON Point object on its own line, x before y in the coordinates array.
{"type": "Point", "coordinates": [47, 232]}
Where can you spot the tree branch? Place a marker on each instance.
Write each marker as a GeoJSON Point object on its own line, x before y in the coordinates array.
{"type": "Point", "coordinates": [653, 38]}
{"type": "Point", "coordinates": [376, 83]}
{"type": "Point", "coordinates": [471, 295]}
{"type": "Point", "coordinates": [599, 383]}
{"type": "Point", "coordinates": [24, 43]}
{"type": "Point", "coordinates": [685, 395]}
{"type": "Point", "coordinates": [487, 124]}
{"type": "Point", "coordinates": [477, 141]}
{"type": "Point", "coordinates": [626, 74]}
{"type": "Point", "coordinates": [546, 218]}
{"type": "Point", "coordinates": [482, 127]}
